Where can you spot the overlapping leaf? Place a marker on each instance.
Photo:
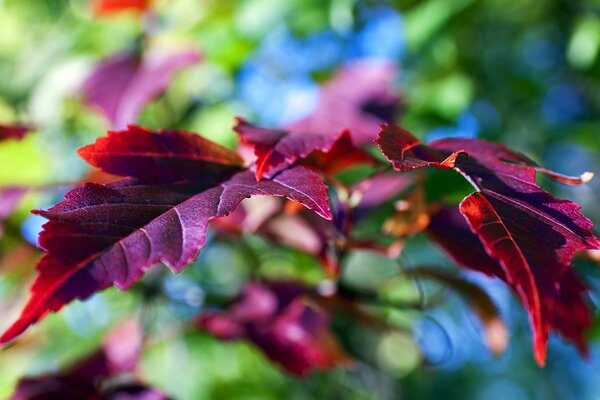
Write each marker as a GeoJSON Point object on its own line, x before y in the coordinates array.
{"type": "Point", "coordinates": [304, 231]}
{"type": "Point", "coordinates": [532, 235]}
{"type": "Point", "coordinates": [123, 84]}
{"type": "Point", "coordinates": [273, 148]}
{"type": "Point", "coordinates": [565, 306]}
{"type": "Point", "coordinates": [104, 235]}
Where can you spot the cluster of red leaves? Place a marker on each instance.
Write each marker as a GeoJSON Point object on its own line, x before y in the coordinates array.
{"type": "Point", "coordinates": [110, 234]}
{"type": "Point", "coordinates": [518, 231]}
{"type": "Point", "coordinates": [175, 182]}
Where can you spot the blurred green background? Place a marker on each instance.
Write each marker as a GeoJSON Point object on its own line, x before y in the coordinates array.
{"type": "Point", "coordinates": [526, 73]}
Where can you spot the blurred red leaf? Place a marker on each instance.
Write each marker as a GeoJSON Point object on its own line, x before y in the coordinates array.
{"type": "Point", "coordinates": [104, 235]}
{"type": "Point", "coordinates": [123, 84]}
{"type": "Point", "coordinates": [277, 318]}
{"type": "Point", "coordinates": [531, 234]}
{"type": "Point", "coordinates": [359, 97]}
{"type": "Point", "coordinates": [15, 131]}
{"type": "Point", "coordinates": [370, 193]}
{"type": "Point", "coordinates": [565, 306]}
{"type": "Point", "coordinates": [109, 7]}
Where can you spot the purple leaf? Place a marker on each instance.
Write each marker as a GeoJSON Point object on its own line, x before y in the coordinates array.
{"type": "Point", "coordinates": [531, 234]}
{"type": "Point", "coordinates": [122, 85]}
{"type": "Point", "coordinates": [327, 152]}
{"type": "Point", "coordinates": [105, 235]}
{"type": "Point", "coordinates": [360, 97]}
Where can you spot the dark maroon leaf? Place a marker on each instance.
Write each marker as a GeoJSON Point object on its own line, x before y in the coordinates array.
{"type": "Point", "coordinates": [563, 302]}
{"type": "Point", "coordinates": [277, 318]}
{"type": "Point", "coordinates": [450, 230]}
{"type": "Point", "coordinates": [15, 131]}
{"type": "Point", "coordinates": [530, 233]}
{"type": "Point", "coordinates": [328, 152]}
{"type": "Point", "coordinates": [122, 85]}
{"type": "Point", "coordinates": [105, 235]}
{"type": "Point", "coordinates": [360, 97]}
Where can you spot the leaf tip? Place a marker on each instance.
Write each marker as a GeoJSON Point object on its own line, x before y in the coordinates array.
{"type": "Point", "coordinates": [84, 151]}
{"type": "Point", "coordinates": [13, 331]}
{"type": "Point", "coordinates": [238, 120]}
{"type": "Point", "coordinates": [260, 170]}
{"type": "Point", "coordinates": [586, 177]}
{"type": "Point", "coordinates": [540, 349]}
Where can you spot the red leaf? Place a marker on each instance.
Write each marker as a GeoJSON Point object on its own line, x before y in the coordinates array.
{"type": "Point", "coordinates": [273, 148]}
{"type": "Point", "coordinates": [531, 234]}
{"type": "Point", "coordinates": [359, 97]}
{"type": "Point", "coordinates": [167, 157]}
{"type": "Point", "coordinates": [277, 318]}
{"type": "Point", "coordinates": [104, 235]}
{"type": "Point", "coordinates": [450, 230]}
{"type": "Point", "coordinates": [15, 131]}
{"type": "Point", "coordinates": [565, 305]}
{"type": "Point", "coordinates": [123, 84]}
{"type": "Point", "coordinates": [108, 7]}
